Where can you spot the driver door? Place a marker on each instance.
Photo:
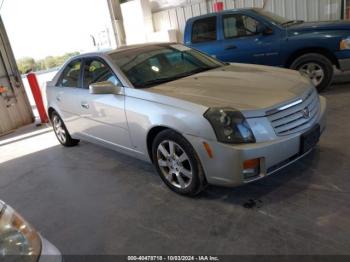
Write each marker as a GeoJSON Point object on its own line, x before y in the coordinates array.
{"type": "Point", "coordinates": [102, 115]}
{"type": "Point", "coordinates": [243, 43]}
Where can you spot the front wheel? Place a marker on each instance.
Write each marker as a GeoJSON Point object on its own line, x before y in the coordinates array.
{"type": "Point", "coordinates": [61, 131]}
{"type": "Point", "coordinates": [177, 163]}
{"type": "Point", "coordinates": [317, 67]}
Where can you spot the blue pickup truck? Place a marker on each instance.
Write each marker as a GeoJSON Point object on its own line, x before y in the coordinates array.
{"type": "Point", "coordinates": [257, 36]}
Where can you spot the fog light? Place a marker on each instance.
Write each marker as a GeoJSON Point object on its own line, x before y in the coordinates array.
{"type": "Point", "coordinates": [251, 168]}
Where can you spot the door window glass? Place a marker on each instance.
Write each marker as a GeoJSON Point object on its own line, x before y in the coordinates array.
{"type": "Point", "coordinates": [96, 71]}
{"type": "Point", "coordinates": [239, 25]}
{"type": "Point", "coordinates": [71, 74]}
{"type": "Point", "coordinates": [204, 30]}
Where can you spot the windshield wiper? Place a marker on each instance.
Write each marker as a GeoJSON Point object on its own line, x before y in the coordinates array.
{"type": "Point", "coordinates": [292, 22]}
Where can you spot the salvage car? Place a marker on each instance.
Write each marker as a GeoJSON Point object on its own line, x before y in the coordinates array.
{"type": "Point", "coordinates": [19, 241]}
{"type": "Point", "coordinates": [198, 120]}
{"type": "Point", "coordinates": [257, 36]}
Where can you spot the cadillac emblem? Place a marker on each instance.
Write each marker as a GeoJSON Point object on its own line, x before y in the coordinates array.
{"type": "Point", "coordinates": [306, 113]}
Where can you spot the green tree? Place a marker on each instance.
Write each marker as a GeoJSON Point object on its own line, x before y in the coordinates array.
{"type": "Point", "coordinates": [40, 65]}
{"type": "Point", "coordinates": [50, 62]}
{"type": "Point", "coordinates": [26, 64]}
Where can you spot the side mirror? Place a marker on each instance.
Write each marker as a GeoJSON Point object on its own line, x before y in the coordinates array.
{"type": "Point", "coordinates": [264, 30]}
{"type": "Point", "coordinates": [104, 88]}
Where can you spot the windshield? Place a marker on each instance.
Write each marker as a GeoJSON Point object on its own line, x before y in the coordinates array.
{"type": "Point", "coordinates": [276, 19]}
{"type": "Point", "coordinates": [155, 64]}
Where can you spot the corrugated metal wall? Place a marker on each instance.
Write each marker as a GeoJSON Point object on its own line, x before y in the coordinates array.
{"type": "Point", "coordinates": [15, 110]}
{"type": "Point", "coordinates": [308, 10]}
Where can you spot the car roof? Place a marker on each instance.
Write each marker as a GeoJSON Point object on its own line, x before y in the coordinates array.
{"type": "Point", "coordinates": [121, 49]}
{"type": "Point", "coordinates": [137, 46]}
{"type": "Point", "coordinates": [223, 12]}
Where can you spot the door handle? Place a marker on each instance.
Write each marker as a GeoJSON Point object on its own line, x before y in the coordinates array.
{"type": "Point", "coordinates": [84, 105]}
{"type": "Point", "coordinates": [58, 98]}
{"type": "Point", "coordinates": [229, 47]}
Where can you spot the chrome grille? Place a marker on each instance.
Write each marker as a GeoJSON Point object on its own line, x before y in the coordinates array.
{"type": "Point", "coordinates": [296, 117]}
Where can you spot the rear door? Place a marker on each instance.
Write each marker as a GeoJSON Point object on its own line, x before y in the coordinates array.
{"type": "Point", "coordinates": [103, 115]}
{"type": "Point", "coordinates": [67, 94]}
{"type": "Point", "coordinates": [204, 35]}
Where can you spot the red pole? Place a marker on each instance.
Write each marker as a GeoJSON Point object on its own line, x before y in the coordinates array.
{"type": "Point", "coordinates": [34, 86]}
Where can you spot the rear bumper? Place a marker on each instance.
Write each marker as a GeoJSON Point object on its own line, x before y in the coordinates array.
{"type": "Point", "coordinates": [226, 166]}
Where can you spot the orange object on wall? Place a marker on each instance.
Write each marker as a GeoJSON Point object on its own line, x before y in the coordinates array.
{"type": "Point", "coordinates": [3, 89]}
{"type": "Point", "coordinates": [34, 86]}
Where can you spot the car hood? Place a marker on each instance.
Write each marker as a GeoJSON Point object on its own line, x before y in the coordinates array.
{"type": "Point", "coordinates": [244, 87]}
{"type": "Point", "coordinates": [327, 25]}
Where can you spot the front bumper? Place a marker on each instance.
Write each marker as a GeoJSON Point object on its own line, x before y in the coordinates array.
{"type": "Point", "coordinates": [343, 58]}
{"type": "Point", "coordinates": [226, 166]}
{"type": "Point", "coordinates": [344, 64]}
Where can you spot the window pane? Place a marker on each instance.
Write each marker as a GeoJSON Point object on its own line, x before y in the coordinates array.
{"type": "Point", "coordinates": [271, 16]}
{"type": "Point", "coordinates": [156, 64]}
{"type": "Point", "coordinates": [230, 27]}
{"type": "Point", "coordinates": [71, 75]}
{"type": "Point", "coordinates": [204, 30]}
{"type": "Point", "coordinates": [239, 25]}
{"type": "Point", "coordinates": [251, 25]}
{"type": "Point", "coordinates": [96, 71]}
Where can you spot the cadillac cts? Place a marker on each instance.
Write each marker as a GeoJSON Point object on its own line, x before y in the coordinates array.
{"type": "Point", "coordinates": [198, 120]}
{"type": "Point", "coordinates": [20, 242]}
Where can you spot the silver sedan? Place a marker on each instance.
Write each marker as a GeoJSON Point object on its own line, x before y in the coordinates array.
{"type": "Point", "coordinates": [198, 120]}
{"type": "Point", "coordinates": [19, 241]}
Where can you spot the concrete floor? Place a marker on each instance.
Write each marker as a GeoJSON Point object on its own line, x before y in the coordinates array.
{"type": "Point", "coordinates": [90, 200]}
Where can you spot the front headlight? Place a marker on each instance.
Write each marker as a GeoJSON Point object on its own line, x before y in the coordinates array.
{"type": "Point", "coordinates": [345, 44]}
{"type": "Point", "coordinates": [17, 237]}
{"type": "Point", "coordinates": [230, 126]}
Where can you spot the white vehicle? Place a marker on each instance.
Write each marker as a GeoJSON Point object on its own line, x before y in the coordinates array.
{"type": "Point", "coordinates": [19, 241]}
{"type": "Point", "coordinates": [198, 120]}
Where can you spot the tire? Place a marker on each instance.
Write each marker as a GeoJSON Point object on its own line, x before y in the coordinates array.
{"type": "Point", "coordinates": [180, 169]}
{"type": "Point", "coordinates": [317, 67]}
{"type": "Point", "coordinates": [61, 131]}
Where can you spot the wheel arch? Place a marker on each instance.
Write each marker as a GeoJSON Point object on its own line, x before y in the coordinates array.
{"type": "Point", "coordinates": [316, 50]}
{"type": "Point", "coordinates": [151, 135]}
{"type": "Point", "coordinates": [50, 111]}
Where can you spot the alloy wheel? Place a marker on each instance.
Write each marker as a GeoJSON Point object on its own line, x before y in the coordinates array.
{"type": "Point", "coordinates": [313, 71]}
{"type": "Point", "coordinates": [174, 164]}
{"type": "Point", "coordinates": [59, 129]}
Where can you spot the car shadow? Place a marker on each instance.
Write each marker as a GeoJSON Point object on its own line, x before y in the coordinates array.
{"type": "Point", "coordinates": [88, 186]}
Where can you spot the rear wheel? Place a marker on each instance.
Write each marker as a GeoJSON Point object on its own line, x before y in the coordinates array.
{"type": "Point", "coordinates": [317, 67]}
{"type": "Point", "coordinates": [177, 163]}
{"type": "Point", "coordinates": [61, 131]}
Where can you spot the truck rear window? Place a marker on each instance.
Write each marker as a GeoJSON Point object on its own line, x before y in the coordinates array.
{"type": "Point", "coordinates": [204, 30]}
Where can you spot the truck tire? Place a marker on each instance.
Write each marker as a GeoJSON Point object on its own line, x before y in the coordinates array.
{"type": "Point", "coordinates": [317, 67]}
